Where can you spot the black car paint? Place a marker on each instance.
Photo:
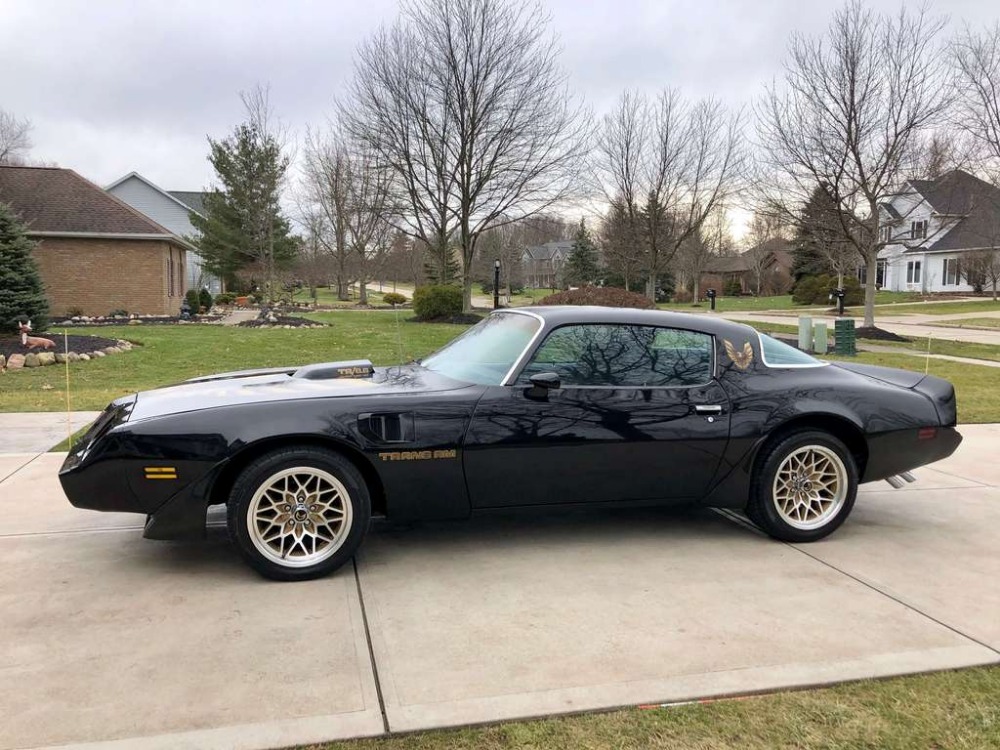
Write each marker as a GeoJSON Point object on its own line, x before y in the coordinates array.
{"type": "Point", "coordinates": [436, 448]}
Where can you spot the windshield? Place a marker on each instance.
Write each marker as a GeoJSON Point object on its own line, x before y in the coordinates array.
{"type": "Point", "coordinates": [485, 353]}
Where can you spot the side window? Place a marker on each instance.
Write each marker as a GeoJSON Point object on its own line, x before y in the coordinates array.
{"type": "Point", "coordinates": [624, 356]}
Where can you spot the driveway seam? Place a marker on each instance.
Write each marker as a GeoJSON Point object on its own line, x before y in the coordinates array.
{"type": "Point", "coordinates": [22, 466]}
{"type": "Point", "coordinates": [736, 519]}
{"type": "Point", "coordinates": [371, 648]}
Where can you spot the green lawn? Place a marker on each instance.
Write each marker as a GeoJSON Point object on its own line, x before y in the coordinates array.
{"type": "Point", "coordinates": [169, 354]}
{"type": "Point", "coordinates": [326, 297]}
{"type": "Point", "coordinates": [971, 323]}
{"type": "Point", "coordinates": [953, 710]}
{"type": "Point", "coordinates": [784, 302]}
{"type": "Point", "coordinates": [939, 308]}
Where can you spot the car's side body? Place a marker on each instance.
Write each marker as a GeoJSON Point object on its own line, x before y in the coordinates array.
{"type": "Point", "coordinates": [432, 447]}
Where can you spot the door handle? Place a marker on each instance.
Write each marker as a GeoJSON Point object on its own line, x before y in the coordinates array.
{"type": "Point", "coordinates": [708, 409]}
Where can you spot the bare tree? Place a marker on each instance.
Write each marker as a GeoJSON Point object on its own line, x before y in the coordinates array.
{"type": "Point", "coordinates": [665, 166]}
{"type": "Point", "coordinates": [976, 62]}
{"type": "Point", "coordinates": [849, 116]}
{"type": "Point", "coordinates": [621, 246]}
{"type": "Point", "coordinates": [465, 102]}
{"type": "Point", "coordinates": [762, 232]}
{"type": "Point", "coordinates": [15, 140]}
{"type": "Point", "coordinates": [347, 186]}
{"type": "Point", "coordinates": [981, 269]}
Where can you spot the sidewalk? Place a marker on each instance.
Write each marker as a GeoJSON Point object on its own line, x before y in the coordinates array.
{"type": "Point", "coordinates": [37, 432]}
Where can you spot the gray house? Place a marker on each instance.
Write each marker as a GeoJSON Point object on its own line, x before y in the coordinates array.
{"type": "Point", "coordinates": [543, 264]}
{"type": "Point", "coordinates": [171, 209]}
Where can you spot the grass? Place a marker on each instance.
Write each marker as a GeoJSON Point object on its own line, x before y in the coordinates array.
{"type": "Point", "coordinates": [971, 323]}
{"type": "Point", "coordinates": [326, 297]}
{"type": "Point", "coordinates": [940, 308]}
{"type": "Point", "coordinates": [953, 710]}
{"type": "Point", "coordinates": [169, 354]}
{"type": "Point", "coordinates": [783, 302]}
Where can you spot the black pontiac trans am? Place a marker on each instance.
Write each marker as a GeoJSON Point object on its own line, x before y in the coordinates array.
{"type": "Point", "coordinates": [534, 406]}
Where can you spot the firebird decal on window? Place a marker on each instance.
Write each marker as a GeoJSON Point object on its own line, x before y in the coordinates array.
{"type": "Point", "coordinates": [741, 359]}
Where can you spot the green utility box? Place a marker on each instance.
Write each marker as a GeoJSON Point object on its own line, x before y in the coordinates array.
{"type": "Point", "coordinates": [845, 338]}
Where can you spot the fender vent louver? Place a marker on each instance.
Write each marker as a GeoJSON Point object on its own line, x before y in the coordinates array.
{"type": "Point", "coordinates": [387, 428]}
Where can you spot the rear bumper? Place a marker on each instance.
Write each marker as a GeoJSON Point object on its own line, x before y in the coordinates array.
{"type": "Point", "coordinates": [903, 450]}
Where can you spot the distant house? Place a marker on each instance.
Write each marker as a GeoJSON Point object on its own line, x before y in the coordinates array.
{"type": "Point", "coordinates": [172, 209]}
{"type": "Point", "coordinates": [95, 252]}
{"type": "Point", "coordinates": [543, 264]}
{"type": "Point", "coordinates": [772, 259]}
{"type": "Point", "coordinates": [929, 225]}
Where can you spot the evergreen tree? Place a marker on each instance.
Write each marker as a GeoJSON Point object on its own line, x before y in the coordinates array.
{"type": "Point", "coordinates": [243, 224]}
{"type": "Point", "coordinates": [817, 231]}
{"type": "Point", "coordinates": [22, 296]}
{"type": "Point", "coordinates": [581, 265]}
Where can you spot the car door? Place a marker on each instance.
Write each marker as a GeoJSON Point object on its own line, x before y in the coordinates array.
{"type": "Point", "coordinates": [638, 416]}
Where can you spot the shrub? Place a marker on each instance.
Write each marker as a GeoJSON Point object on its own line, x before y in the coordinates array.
{"type": "Point", "coordinates": [74, 312]}
{"type": "Point", "coordinates": [394, 298]}
{"type": "Point", "coordinates": [205, 299]}
{"type": "Point", "coordinates": [224, 298]}
{"type": "Point", "coordinates": [603, 296]}
{"type": "Point", "coordinates": [732, 288]}
{"type": "Point", "coordinates": [815, 290]}
{"type": "Point", "coordinates": [191, 297]}
{"type": "Point", "coordinates": [437, 301]}
{"type": "Point", "coordinates": [118, 312]}
{"type": "Point", "coordinates": [683, 295]}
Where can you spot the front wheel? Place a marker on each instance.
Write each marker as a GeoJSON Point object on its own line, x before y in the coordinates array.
{"type": "Point", "coordinates": [298, 513]}
{"type": "Point", "coordinates": [804, 487]}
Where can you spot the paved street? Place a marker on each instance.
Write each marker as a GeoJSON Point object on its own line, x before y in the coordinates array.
{"type": "Point", "coordinates": [111, 639]}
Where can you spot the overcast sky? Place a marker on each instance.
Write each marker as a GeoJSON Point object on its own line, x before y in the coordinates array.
{"type": "Point", "coordinates": [114, 86]}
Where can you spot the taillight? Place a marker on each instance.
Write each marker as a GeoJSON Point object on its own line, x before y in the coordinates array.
{"type": "Point", "coordinates": [927, 433]}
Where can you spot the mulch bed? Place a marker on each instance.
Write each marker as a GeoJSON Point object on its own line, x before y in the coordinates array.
{"type": "Point", "coordinates": [79, 344]}
{"type": "Point", "coordinates": [877, 334]}
{"type": "Point", "coordinates": [282, 321]}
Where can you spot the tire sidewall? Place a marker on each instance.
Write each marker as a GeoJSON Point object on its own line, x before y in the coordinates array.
{"type": "Point", "coordinates": [260, 471]}
{"type": "Point", "coordinates": [761, 508]}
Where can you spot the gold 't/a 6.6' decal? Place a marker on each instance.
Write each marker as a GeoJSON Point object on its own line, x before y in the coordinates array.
{"type": "Point", "coordinates": [418, 455]}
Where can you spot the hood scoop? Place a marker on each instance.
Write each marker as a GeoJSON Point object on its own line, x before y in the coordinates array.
{"type": "Point", "coordinates": [357, 368]}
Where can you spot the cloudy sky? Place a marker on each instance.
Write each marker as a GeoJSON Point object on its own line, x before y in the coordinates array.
{"type": "Point", "coordinates": [114, 86]}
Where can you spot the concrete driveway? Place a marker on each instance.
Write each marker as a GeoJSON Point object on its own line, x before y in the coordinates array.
{"type": "Point", "coordinates": [112, 641]}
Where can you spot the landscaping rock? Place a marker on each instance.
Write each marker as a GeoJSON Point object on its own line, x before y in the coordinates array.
{"type": "Point", "coordinates": [46, 358]}
{"type": "Point", "coordinates": [84, 357]}
{"type": "Point", "coordinates": [62, 358]}
{"type": "Point", "coordinates": [98, 354]}
{"type": "Point", "coordinates": [3, 361]}
{"type": "Point", "coordinates": [135, 322]}
{"type": "Point", "coordinates": [31, 360]}
{"type": "Point", "coordinates": [112, 350]}
{"type": "Point", "coordinates": [73, 357]}
{"type": "Point", "coordinates": [15, 362]}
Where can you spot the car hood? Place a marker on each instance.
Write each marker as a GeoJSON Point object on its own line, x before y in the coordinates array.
{"type": "Point", "coordinates": [278, 384]}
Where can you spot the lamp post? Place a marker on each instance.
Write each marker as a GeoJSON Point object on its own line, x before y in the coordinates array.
{"type": "Point", "coordinates": [496, 284]}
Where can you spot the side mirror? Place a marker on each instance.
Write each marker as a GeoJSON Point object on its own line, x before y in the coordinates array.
{"type": "Point", "coordinates": [546, 380]}
{"type": "Point", "coordinates": [541, 384]}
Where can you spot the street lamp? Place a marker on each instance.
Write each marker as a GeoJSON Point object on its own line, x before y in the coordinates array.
{"type": "Point", "coordinates": [496, 284]}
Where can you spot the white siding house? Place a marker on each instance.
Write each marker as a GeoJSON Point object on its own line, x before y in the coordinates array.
{"type": "Point", "coordinates": [171, 209]}
{"type": "Point", "coordinates": [929, 225]}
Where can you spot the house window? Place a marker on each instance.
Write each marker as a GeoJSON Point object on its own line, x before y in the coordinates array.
{"type": "Point", "coordinates": [913, 272]}
{"type": "Point", "coordinates": [170, 273]}
{"type": "Point", "coordinates": [885, 233]}
{"type": "Point", "coordinates": [952, 273]}
{"type": "Point", "coordinates": [918, 230]}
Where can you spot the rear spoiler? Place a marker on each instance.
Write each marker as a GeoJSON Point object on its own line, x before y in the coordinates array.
{"type": "Point", "coordinates": [355, 368]}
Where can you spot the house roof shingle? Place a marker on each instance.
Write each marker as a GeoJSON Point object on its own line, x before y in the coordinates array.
{"type": "Point", "coordinates": [549, 250]}
{"type": "Point", "coordinates": [960, 194]}
{"type": "Point", "coordinates": [193, 199]}
{"type": "Point", "coordinates": [51, 199]}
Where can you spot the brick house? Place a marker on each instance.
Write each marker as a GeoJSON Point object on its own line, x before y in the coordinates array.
{"type": "Point", "coordinates": [772, 260]}
{"type": "Point", "coordinates": [95, 253]}
{"type": "Point", "coordinates": [171, 209]}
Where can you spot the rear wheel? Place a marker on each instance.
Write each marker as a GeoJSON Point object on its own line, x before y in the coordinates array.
{"type": "Point", "coordinates": [298, 513]}
{"type": "Point", "coordinates": [804, 486]}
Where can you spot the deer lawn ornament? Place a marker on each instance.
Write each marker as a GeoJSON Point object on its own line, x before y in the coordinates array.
{"type": "Point", "coordinates": [33, 342]}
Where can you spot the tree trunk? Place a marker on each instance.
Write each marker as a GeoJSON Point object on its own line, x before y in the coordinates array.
{"type": "Point", "coordinates": [871, 266]}
{"type": "Point", "coordinates": [651, 287]}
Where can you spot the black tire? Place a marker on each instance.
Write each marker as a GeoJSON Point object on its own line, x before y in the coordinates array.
{"type": "Point", "coordinates": [295, 562]}
{"type": "Point", "coordinates": [763, 506]}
